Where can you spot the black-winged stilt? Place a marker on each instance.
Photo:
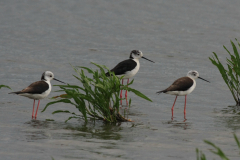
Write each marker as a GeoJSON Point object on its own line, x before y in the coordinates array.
{"type": "Point", "coordinates": [128, 68]}
{"type": "Point", "coordinates": [38, 90]}
{"type": "Point", "coordinates": [182, 87]}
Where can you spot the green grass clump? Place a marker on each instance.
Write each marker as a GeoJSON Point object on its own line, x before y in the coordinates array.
{"type": "Point", "coordinates": [97, 97]}
{"type": "Point", "coordinates": [217, 151]}
{"type": "Point", "coordinates": [231, 74]}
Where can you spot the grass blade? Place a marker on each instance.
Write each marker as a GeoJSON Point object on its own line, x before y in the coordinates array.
{"type": "Point", "coordinates": [59, 101]}
{"type": "Point", "coordinates": [219, 152]}
{"type": "Point", "coordinates": [237, 141]}
{"type": "Point", "coordinates": [1, 86]}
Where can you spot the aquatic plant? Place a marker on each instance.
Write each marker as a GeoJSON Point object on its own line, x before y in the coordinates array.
{"type": "Point", "coordinates": [97, 97]}
{"type": "Point", "coordinates": [231, 74]}
{"type": "Point", "coordinates": [1, 86]}
{"type": "Point", "coordinates": [217, 151]}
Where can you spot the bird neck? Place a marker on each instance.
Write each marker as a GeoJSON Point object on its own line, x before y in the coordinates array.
{"type": "Point", "coordinates": [47, 81]}
{"type": "Point", "coordinates": [136, 60]}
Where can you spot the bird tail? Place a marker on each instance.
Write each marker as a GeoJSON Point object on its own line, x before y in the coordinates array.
{"type": "Point", "coordinates": [18, 92]}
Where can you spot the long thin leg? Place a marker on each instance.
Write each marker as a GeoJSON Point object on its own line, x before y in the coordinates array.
{"type": "Point", "coordinates": [173, 105]}
{"type": "Point", "coordinates": [126, 93]}
{"type": "Point", "coordinates": [185, 109]}
{"type": "Point", "coordinates": [37, 109]}
{"type": "Point", "coordinates": [185, 105]}
{"type": "Point", "coordinates": [33, 108]}
{"type": "Point", "coordinates": [185, 118]}
{"type": "Point", "coordinates": [121, 94]}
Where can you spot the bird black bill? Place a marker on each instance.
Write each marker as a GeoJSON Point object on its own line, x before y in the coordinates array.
{"type": "Point", "coordinates": [59, 80]}
{"type": "Point", "coordinates": [148, 59]}
{"type": "Point", "coordinates": [203, 79]}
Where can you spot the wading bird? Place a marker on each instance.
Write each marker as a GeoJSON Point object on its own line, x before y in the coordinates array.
{"type": "Point", "coordinates": [38, 90]}
{"type": "Point", "coordinates": [128, 68]}
{"type": "Point", "coordinates": [182, 87]}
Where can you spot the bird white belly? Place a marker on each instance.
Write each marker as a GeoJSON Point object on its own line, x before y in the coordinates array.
{"type": "Point", "coordinates": [38, 96]}
{"type": "Point", "coordinates": [183, 93]}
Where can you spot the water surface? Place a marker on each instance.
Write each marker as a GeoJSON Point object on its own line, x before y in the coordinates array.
{"type": "Point", "coordinates": [178, 35]}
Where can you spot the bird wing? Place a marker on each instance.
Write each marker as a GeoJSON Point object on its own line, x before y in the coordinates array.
{"type": "Point", "coordinates": [35, 88]}
{"type": "Point", "coordinates": [181, 84]}
{"type": "Point", "coordinates": [123, 67]}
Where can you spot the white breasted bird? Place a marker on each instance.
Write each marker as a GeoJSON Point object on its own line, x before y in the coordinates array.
{"type": "Point", "coordinates": [38, 90]}
{"type": "Point", "coordinates": [128, 68]}
{"type": "Point", "coordinates": [182, 87]}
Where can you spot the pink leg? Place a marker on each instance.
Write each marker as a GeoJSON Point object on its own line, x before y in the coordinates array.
{"type": "Point", "coordinates": [121, 94]}
{"type": "Point", "coordinates": [33, 108]}
{"type": "Point", "coordinates": [37, 109]}
{"type": "Point", "coordinates": [126, 93]}
{"type": "Point", "coordinates": [185, 105]}
{"type": "Point", "coordinates": [173, 105]}
{"type": "Point", "coordinates": [185, 118]}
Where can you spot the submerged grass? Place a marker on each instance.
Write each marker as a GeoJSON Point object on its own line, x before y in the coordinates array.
{"type": "Point", "coordinates": [97, 97]}
{"type": "Point", "coordinates": [217, 150]}
{"type": "Point", "coordinates": [231, 74]}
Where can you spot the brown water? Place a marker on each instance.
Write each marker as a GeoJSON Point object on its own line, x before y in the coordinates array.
{"type": "Point", "coordinates": [36, 36]}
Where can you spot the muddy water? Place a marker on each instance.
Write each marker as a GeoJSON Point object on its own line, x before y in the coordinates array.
{"type": "Point", "coordinates": [178, 35]}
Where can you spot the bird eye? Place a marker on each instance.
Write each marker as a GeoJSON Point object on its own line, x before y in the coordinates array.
{"type": "Point", "coordinates": [50, 75]}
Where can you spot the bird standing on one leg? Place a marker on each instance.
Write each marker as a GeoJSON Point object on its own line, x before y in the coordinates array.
{"type": "Point", "coordinates": [128, 68]}
{"type": "Point", "coordinates": [182, 87]}
{"type": "Point", "coordinates": [38, 90]}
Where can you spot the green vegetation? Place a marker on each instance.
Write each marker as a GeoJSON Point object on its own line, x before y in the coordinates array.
{"type": "Point", "coordinates": [97, 97]}
{"type": "Point", "coordinates": [217, 151]}
{"type": "Point", "coordinates": [231, 73]}
{"type": "Point", "coordinates": [1, 86]}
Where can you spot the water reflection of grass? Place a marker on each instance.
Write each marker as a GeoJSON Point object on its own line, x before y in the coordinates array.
{"type": "Point", "coordinates": [92, 129]}
{"type": "Point", "coordinates": [232, 110]}
{"type": "Point", "coordinates": [231, 117]}
{"type": "Point", "coordinates": [97, 130]}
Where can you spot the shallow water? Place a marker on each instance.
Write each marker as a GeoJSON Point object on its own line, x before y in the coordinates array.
{"type": "Point", "coordinates": [178, 35]}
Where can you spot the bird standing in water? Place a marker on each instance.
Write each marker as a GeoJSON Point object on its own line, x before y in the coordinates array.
{"type": "Point", "coordinates": [182, 87]}
{"type": "Point", "coordinates": [38, 90]}
{"type": "Point", "coordinates": [128, 68]}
